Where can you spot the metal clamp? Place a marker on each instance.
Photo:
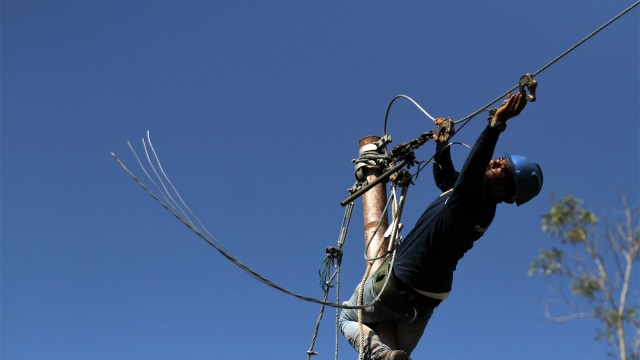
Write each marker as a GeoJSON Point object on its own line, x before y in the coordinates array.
{"type": "Point", "coordinates": [527, 81]}
{"type": "Point", "coordinates": [445, 131]}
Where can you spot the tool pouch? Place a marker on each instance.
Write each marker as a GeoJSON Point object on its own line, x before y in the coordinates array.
{"type": "Point", "coordinates": [398, 297]}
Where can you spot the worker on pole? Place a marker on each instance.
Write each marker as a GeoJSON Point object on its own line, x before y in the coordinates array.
{"type": "Point", "coordinates": [411, 284]}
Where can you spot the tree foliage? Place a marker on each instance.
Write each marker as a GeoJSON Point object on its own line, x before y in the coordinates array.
{"type": "Point", "coordinates": [595, 261]}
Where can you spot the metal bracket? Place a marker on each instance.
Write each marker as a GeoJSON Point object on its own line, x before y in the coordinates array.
{"type": "Point", "coordinates": [373, 154]}
{"type": "Point", "coordinates": [402, 153]}
{"type": "Point", "coordinates": [402, 178]}
{"type": "Point", "coordinates": [527, 81]}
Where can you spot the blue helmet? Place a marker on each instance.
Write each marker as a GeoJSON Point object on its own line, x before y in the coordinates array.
{"type": "Point", "coordinates": [527, 176]}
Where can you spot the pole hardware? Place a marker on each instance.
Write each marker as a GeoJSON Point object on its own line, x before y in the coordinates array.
{"type": "Point", "coordinates": [446, 130]}
{"type": "Point", "coordinates": [402, 178]}
{"type": "Point", "coordinates": [401, 155]}
{"type": "Point", "coordinates": [527, 81]}
{"type": "Point", "coordinates": [371, 155]}
{"type": "Point", "coordinates": [334, 253]}
{"type": "Point", "coordinates": [404, 151]}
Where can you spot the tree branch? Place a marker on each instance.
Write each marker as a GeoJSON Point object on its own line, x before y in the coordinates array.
{"type": "Point", "coordinates": [548, 315]}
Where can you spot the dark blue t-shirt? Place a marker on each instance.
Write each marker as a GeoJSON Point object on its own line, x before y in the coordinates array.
{"type": "Point", "coordinates": [429, 254]}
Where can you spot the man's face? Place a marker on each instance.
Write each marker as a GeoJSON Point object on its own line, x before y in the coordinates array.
{"type": "Point", "coordinates": [499, 173]}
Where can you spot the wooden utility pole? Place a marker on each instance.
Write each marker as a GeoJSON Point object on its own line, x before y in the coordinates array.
{"type": "Point", "coordinates": [373, 202]}
{"type": "Point", "coordinates": [376, 223]}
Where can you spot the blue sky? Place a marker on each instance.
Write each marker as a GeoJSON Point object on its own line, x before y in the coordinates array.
{"type": "Point", "coordinates": [256, 110]}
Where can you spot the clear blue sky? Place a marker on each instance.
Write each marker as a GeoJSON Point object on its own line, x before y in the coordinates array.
{"type": "Point", "coordinates": [256, 110]}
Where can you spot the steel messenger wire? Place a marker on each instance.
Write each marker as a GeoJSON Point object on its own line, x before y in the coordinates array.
{"type": "Point", "coordinates": [175, 207]}
{"type": "Point", "coordinates": [179, 213]}
{"type": "Point", "coordinates": [464, 122]}
{"type": "Point", "coordinates": [466, 119]}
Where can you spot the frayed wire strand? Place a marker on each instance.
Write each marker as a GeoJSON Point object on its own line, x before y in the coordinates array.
{"type": "Point", "coordinates": [177, 211]}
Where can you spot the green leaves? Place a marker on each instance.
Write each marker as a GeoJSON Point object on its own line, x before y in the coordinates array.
{"type": "Point", "coordinates": [567, 220]}
{"type": "Point", "coordinates": [547, 262]}
{"type": "Point", "coordinates": [599, 273]}
{"type": "Point", "coordinates": [587, 286]}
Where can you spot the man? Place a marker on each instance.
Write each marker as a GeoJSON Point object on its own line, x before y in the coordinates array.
{"type": "Point", "coordinates": [420, 274]}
